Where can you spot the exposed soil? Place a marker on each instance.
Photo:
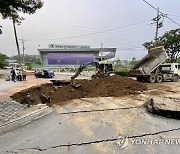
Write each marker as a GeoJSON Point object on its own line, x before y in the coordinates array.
{"type": "Point", "coordinates": [113, 86]}
{"type": "Point", "coordinates": [35, 92]}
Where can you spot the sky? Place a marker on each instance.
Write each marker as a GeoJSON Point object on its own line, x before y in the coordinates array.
{"type": "Point", "coordinates": [123, 24]}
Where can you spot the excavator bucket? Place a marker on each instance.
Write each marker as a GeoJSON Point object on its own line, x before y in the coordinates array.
{"type": "Point", "coordinates": [75, 84]}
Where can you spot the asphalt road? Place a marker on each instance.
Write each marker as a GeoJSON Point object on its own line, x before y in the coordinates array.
{"type": "Point", "coordinates": [5, 85]}
{"type": "Point", "coordinates": [95, 131]}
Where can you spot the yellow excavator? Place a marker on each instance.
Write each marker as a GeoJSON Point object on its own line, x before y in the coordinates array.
{"type": "Point", "coordinates": [102, 70]}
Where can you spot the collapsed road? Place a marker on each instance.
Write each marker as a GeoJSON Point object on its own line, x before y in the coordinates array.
{"type": "Point", "coordinates": [112, 86]}
{"type": "Point", "coordinates": [95, 124]}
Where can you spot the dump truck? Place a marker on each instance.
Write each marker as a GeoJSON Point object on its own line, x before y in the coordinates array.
{"type": "Point", "coordinates": [151, 68]}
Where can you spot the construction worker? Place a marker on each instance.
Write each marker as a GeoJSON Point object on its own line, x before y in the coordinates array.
{"type": "Point", "coordinates": [20, 75]}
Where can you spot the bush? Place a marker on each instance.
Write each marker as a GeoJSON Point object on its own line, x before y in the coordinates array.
{"type": "Point", "coordinates": [122, 73]}
{"type": "Point", "coordinates": [28, 65]}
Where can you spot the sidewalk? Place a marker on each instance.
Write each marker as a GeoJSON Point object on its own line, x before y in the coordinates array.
{"type": "Point", "coordinates": [8, 87]}
{"type": "Point", "coordinates": [14, 114]}
{"type": "Point", "coordinates": [8, 110]}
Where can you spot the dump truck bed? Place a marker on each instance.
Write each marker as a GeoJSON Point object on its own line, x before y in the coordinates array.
{"type": "Point", "coordinates": [150, 62]}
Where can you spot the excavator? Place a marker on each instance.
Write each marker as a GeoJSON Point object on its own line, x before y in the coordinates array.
{"type": "Point", "coordinates": [102, 70]}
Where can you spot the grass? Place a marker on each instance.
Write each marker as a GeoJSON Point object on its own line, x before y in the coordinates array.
{"type": "Point", "coordinates": [122, 72]}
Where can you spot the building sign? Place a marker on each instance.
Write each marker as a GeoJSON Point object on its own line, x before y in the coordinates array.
{"type": "Point", "coordinates": [60, 46]}
{"type": "Point", "coordinates": [69, 58]}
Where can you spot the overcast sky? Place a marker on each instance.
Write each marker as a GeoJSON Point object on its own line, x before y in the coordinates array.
{"type": "Point", "coordinates": [123, 24]}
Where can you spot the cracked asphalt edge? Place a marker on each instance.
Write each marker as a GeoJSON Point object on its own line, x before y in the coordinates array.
{"type": "Point", "coordinates": [94, 142]}
{"type": "Point", "coordinates": [102, 110]}
{"type": "Point", "coordinates": [23, 120]}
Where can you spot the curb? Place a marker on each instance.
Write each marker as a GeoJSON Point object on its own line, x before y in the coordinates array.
{"type": "Point", "coordinates": [27, 118]}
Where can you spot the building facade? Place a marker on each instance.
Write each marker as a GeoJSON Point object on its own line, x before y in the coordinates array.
{"type": "Point", "coordinates": [70, 55]}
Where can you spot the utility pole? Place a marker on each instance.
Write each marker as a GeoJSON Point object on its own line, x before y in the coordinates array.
{"type": "Point", "coordinates": [157, 21]}
{"type": "Point", "coordinates": [0, 29]}
{"type": "Point", "coordinates": [13, 59]}
{"type": "Point", "coordinates": [157, 24]}
{"type": "Point", "coordinates": [17, 44]}
{"type": "Point", "coordinates": [101, 52]}
{"type": "Point", "coordinates": [22, 40]}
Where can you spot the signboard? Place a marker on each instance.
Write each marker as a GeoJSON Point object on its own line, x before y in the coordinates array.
{"type": "Point", "coordinates": [69, 58]}
{"type": "Point", "coordinates": [61, 46]}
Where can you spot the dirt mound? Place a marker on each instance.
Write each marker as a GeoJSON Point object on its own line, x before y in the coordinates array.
{"type": "Point", "coordinates": [113, 86]}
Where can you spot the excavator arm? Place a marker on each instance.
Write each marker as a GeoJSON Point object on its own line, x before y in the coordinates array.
{"type": "Point", "coordinates": [82, 67]}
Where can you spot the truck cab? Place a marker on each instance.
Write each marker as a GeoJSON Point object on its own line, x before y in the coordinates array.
{"type": "Point", "coordinates": [171, 68]}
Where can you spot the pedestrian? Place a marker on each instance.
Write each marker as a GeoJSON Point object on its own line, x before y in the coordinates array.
{"type": "Point", "coordinates": [24, 75]}
{"type": "Point", "coordinates": [17, 74]}
{"type": "Point", "coordinates": [13, 74]}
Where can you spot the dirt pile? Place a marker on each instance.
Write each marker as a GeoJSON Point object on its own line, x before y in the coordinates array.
{"type": "Point", "coordinates": [113, 86]}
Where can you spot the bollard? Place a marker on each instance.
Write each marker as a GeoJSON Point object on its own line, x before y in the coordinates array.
{"type": "Point", "coordinates": [28, 99]}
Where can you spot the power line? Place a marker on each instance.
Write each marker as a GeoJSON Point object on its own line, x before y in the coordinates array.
{"type": "Point", "coordinates": [8, 44]}
{"type": "Point", "coordinates": [173, 21]}
{"type": "Point", "coordinates": [174, 15]}
{"type": "Point", "coordinates": [65, 26]}
{"type": "Point", "coordinates": [164, 15]}
{"type": "Point", "coordinates": [101, 32]}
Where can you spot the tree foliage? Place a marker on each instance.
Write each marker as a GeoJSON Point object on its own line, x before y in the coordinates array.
{"type": "Point", "coordinates": [171, 42]}
{"type": "Point", "coordinates": [2, 60]}
{"type": "Point", "coordinates": [11, 8]}
{"type": "Point", "coordinates": [28, 58]}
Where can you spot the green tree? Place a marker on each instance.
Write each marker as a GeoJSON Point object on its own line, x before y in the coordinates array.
{"type": "Point", "coordinates": [11, 8]}
{"type": "Point", "coordinates": [28, 58]}
{"type": "Point", "coordinates": [133, 61]}
{"type": "Point", "coordinates": [171, 42]}
{"type": "Point", "coordinates": [2, 60]}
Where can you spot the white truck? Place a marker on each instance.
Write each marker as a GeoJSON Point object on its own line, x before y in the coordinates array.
{"type": "Point", "coordinates": [151, 68]}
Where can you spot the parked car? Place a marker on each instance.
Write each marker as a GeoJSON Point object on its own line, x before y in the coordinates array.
{"type": "Point", "coordinates": [44, 74]}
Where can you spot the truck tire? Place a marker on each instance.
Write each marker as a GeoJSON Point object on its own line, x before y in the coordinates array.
{"type": "Point", "coordinates": [175, 78]}
{"type": "Point", "coordinates": [159, 79]}
{"type": "Point", "coordinates": [152, 79]}
{"type": "Point", "coordinates": [139, 78]}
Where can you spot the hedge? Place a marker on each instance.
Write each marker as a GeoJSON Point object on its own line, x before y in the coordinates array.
{"type": "Point", "coordinates": [122, 73]}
